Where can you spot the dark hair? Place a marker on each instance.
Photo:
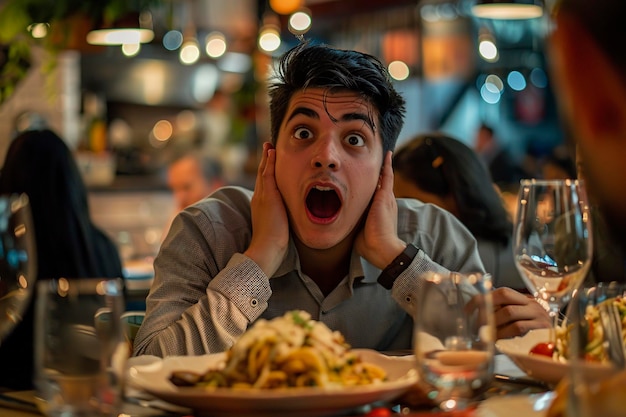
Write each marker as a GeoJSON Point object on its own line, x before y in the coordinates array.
{"type": "Point", "coordinates": [68, 244]}
{"type": "Point", "coordinates": [210, 167]}
{"type": "Point", "coordinates": [321, 66]}
{"type": "Point", "coordinates": [445, 166]}
{"type": "Point", "coordinates": [604, 21]}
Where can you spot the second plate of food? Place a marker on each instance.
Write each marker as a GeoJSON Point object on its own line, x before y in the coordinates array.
{"type": "Point", "coordinates": [541, 367]}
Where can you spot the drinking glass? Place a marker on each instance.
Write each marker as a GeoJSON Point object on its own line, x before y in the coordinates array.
{"type": "Point", "coordinates": [454, 357]}
{"type": "Point", "coordinates": [17, 260]}
{"type": "Point", "coordinates": [80, 350]}
{"type": "Point", "coordinates": [593, 343]}
{"type": "Point", "coordinates": [552, 240]}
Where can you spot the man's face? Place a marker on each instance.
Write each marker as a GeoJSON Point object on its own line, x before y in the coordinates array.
{"type": "Point", "coordinates": [185, 179]}
{"type": "Point", "coordinates": [328, 163]}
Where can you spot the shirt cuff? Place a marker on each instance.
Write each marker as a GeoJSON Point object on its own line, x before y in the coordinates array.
{"type": "Point", "coordinates": [245, 284]}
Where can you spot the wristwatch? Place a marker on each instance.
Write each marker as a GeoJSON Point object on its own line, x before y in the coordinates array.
{"type": "Point", "coordinates": [388, 276]}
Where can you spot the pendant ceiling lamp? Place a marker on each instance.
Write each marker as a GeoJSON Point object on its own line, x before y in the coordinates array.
{"type": "Point", "coordinates": [133, 28]}
{"type": "Point", "coordinates": [507, 9]}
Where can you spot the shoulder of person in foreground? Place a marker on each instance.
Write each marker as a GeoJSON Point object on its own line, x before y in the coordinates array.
{"type": "Point", "coordinates": [439, 234]}
{"type": "Point", "coordinates": [206, 239]}
{"type": "Point", "coordinates": [229, 203]}
{"type": "Point", "coordinates": [587, 92]}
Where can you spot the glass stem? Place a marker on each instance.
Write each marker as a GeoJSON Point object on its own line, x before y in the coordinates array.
{"type": "Point", "coordinates": [554, 313]}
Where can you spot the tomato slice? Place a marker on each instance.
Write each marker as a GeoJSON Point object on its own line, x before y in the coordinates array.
{"type": "Point", "coordinates": [544, 349]}
{"type": "Point", "coordinates": [379, 412]}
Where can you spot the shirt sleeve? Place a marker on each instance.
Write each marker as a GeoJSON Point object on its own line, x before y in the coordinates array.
{"type": "Point", "coordinates": [205, 291]}
{"type": "Point", "coordinates": [445, 244]}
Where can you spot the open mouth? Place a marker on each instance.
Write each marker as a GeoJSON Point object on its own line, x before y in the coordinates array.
{"type": "Point", "coordinates": [323, 202]}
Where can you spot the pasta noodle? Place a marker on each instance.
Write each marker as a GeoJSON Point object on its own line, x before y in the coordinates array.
{"type": "Point", "coordinates": [289, 351]}
{"type": "Point", "coordinates": [595, 350]}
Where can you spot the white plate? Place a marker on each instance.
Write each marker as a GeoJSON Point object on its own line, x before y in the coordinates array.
{"type": "Point", "coordinates": [541, 367]}
{"type": "Point", "coordinates": [153, 377]}
{"type": "Point", "coordinates": [533, 405]}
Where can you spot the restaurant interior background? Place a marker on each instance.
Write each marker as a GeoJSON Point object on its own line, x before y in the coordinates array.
{"type": "Point", "coordinates": [126, 110]}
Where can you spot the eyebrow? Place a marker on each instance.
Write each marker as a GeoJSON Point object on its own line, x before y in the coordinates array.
{"type": "Point", "coordinates": [344, 118]}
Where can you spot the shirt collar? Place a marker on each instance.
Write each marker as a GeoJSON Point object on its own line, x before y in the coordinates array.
{"type": "Point", "coordinates": [359, 267]}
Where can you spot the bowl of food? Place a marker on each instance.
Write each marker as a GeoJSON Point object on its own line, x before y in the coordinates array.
{"type": "Point", "coordinates": [290, 365]}
{"type": "Point", "coordinates": [547, 355]}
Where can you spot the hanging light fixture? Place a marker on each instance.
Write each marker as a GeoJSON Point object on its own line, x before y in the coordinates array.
{"type": "Point", "coordinates": [507, 9]}
{"type": "Point", "coordinates": [300, 21]}
{"type": "Point", "coordinates": [133, 28]}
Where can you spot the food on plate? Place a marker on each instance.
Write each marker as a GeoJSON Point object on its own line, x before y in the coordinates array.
{"type": "Point", "coordinates": [543, 348]}
{"type": "Point", "coordinates": [595, 349]}
{"type": "Point", "coordinates": [288, 351]}
{"type": "Point", "coordinates": [606, 398]}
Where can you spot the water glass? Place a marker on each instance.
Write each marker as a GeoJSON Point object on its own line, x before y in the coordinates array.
{"type": "Point", "coordinates": [80, 351]}
{"type": "Point", "coordinates": [592, 341]}
{"type": "Point", "coordinates": [455, 357]}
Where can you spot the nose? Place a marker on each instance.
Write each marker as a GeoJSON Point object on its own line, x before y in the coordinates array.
{"type": "Point", "coordinates": [326, 154]}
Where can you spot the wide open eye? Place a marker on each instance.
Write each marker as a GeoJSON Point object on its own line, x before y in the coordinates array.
{"type": "Point", "coordinates": [354, 140]}
{"type": "Point", "coordinates": [302, 133]}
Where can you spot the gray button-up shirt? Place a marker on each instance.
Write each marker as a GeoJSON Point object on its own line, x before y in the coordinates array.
{"type": "Point", "coordinates": [206, 293]}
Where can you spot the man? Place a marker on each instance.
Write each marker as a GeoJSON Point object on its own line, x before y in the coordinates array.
{"type": "Point", "coordinates": [192, 177]}
{"type": "Point", "coordinates": [504, 171]}
{"type": "Point", "coordinates": [319, 228]}
{"type": "Point", "coordinates": [589, 71]}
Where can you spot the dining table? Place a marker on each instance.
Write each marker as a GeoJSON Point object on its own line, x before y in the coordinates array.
{"type": "Point", "coordinates": [508, 382]}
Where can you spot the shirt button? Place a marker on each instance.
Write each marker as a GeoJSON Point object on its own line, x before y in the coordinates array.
{"type": "Point", "coordinates": [254, 302]}
{"type": "Point", "coordinates": [408, 299]}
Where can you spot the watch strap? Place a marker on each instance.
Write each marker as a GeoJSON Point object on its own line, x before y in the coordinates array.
{"type": "Point", "coordinates": [388, 276]}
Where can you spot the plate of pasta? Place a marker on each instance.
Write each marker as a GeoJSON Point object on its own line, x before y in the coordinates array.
{"type": "Point", "coordinates": [290, 365]}
{"type": "Point", "coordinates": [545, 368]}
{"type": "Point", "coordinates": [589, 312]}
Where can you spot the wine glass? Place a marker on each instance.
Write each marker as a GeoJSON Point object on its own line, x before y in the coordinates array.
{"type": "Point", "coordinates": [552, 240]}
{"type": "Point", "coordinates": [17, 260]}
{"type": "Point", "coordinates": [455, 357]}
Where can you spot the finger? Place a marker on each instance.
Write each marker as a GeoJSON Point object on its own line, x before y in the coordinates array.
{"type": "Point", "coordinates": [511, 313]}
{"type": "Point", "coordinates": [505, 296]}
{"type": "Point", "coordinates": [386, 180]}
{"type": "Point", "coordinates": [519, 328]}
{"type": "Point", "coordinates": [517, 313]}
{"type": "Point", "coordinates": [271, 163]}
{"type": "Point", "coordinates": [262, 165]}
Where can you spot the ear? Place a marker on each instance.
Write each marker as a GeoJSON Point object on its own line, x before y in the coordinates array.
{"type": "Point", "coordinates": [590, 90]}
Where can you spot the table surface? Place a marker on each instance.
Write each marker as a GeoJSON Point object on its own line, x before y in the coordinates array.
{"type": "Point", "coordinates": [25, 405]}
{"type": "Point", "coordinates": [22, 403]}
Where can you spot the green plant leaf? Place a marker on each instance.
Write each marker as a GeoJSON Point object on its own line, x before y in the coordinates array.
{"type": "Point", "coordinates": [14, 20]}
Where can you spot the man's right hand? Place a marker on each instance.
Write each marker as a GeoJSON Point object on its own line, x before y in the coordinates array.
{"type": "Point", "coordinates": [270, 226]}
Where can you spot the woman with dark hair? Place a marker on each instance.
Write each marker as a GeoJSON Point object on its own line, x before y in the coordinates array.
{"type": "Point", "coordinates": [441, 170]}
{"type": "Point", "coordinates": [68, 244]}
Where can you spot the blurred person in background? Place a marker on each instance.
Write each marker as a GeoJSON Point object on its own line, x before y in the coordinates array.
{"type": "Point", "coordinates": [39, 163]}
{"type": "Point", "coordinates": [592, 98]}
{"type": "Point", "coordinates": [191, 177]}
{"type": "Point", "coordinates": [441, 170]}
{"type": "Point", "coordinates": [558, 164]}
{"type": "Point", "coordinates": [501, 165]}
